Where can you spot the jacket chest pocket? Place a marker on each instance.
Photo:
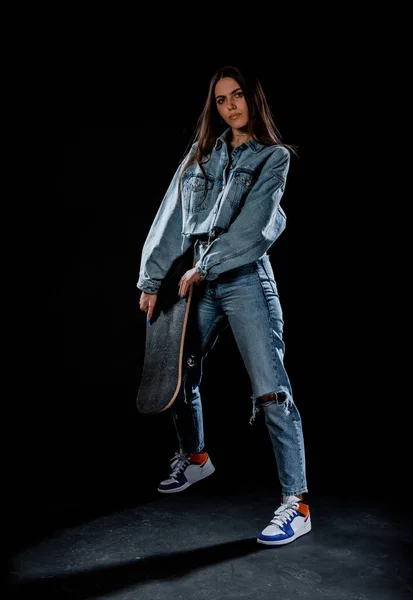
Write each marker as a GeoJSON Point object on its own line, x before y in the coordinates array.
{"type": "Point", "coordinates": [242, 182]}
{"type": "Point", "coordinates": [196, 192]}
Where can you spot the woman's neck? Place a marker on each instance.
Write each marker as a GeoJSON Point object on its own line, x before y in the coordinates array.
{"type": "Point", "coordinates": [239, 137]}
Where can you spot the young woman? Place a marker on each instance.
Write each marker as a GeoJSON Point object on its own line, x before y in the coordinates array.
{"type": "Point", "coordinates": [225, 201]}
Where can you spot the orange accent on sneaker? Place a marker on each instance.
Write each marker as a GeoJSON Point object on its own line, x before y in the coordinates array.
{"type": "Point", "coordinates": [199, 458]}
{"type": "Point", "coordinates": [303, 509]}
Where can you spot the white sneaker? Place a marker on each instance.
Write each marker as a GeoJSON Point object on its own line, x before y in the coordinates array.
{"type": "Point", "coordinates": [186, 470]}
{"type": "Point", "coordinates": [291, 520]}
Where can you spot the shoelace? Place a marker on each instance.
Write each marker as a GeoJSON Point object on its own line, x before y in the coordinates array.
{"type": "Point", "coordinates": [179, 462]}
{"type": "Point", "coordinates": [284, 513]}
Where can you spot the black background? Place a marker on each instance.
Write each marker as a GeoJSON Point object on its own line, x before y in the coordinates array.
{"type": "Point", "coordinates": [79, 437]}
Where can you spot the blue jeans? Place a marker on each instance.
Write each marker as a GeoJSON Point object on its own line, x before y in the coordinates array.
{"type": "Point", "coordinates": [246, 299]}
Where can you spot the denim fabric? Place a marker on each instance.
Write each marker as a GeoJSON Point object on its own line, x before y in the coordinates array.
{"type": "Point", "coordinates": [238, 203]}
{"type": "Point", "coordinates": [246, 299]}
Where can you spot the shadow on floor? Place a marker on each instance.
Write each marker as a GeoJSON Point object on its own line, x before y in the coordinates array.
{"type": "Point", "coordinates": [108, 579]}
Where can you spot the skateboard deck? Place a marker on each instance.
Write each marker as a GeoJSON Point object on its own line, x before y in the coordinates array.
{"type": "Point", "coordinates": [165, 339]}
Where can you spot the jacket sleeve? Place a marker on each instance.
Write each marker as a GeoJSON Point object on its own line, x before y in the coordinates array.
{"type": "Point", "coordinates": [257, 225]}
{"type": "Point", "coordinates": [164, 240]}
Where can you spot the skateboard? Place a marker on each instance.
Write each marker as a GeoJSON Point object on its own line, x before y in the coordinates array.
{"type": "Point", "coordinates": [165, 341]}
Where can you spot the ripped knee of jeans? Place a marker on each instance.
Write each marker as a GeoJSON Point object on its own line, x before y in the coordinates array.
{"type": "Point", "coordinates": [279, 398]}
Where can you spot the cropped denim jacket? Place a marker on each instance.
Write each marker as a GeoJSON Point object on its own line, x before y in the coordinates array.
{"type": "Point", "coordinates": [238, 205]}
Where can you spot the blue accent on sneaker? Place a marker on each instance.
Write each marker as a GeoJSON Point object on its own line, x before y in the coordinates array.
{"type": "Point", "coordinates": [179, 482]}
{"type": "Point", "coordinates": [186, 470]}
{"type": "Point", "coordinates": [291, 520]}
{"type": "Point", "coordinates": [287, 532]}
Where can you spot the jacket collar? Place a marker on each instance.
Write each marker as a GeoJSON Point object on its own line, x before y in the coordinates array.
{"type": "Point", "coordinates": [252, 144]}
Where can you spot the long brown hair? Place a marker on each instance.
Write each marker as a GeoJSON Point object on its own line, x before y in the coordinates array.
{"type": "Point", "coordinates": [261, 125]}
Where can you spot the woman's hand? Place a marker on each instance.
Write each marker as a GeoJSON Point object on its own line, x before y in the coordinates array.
{"type": "Point", "coordinates": [187, 279]}
{"type": "Point", "coordinates": [147, 303]}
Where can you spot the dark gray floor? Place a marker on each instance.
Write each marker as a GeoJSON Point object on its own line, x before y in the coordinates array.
{"type": "Point", "coordinates": [201, 544]}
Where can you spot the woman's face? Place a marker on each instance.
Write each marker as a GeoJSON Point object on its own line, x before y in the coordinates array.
{"type": "Point", "coordinates": [231, 103]}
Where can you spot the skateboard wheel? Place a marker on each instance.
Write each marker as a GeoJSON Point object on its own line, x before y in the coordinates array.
{"type": "Point", "coordinates": [190, 361]}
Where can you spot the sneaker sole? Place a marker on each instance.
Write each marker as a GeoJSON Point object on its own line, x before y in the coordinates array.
{"type": "Point", "coordinates": [188, 483]}
{"type": "Point", "coordinates": [307, 529]}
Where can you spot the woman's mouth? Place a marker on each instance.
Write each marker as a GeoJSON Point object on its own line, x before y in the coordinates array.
{"type": "Point", "coordinates": [233, 117]}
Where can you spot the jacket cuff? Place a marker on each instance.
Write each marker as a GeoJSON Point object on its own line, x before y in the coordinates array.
{"type": "Point", "coordinates": [148, 285]}
{"type": "Point", "coordinates": [204, 273]}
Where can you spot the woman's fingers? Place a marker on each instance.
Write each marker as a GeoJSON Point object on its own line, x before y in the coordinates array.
{"type": "Point", "coordinates": [187, 279]}
{"type": "Point", "coordinates": [182, 288]}
{"type": "Point", "coordinates": [184, 285]}
{"type": "Point", "coordinates": [147, 304]}
{"type": "Point", "coordinates": [151, 307]}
